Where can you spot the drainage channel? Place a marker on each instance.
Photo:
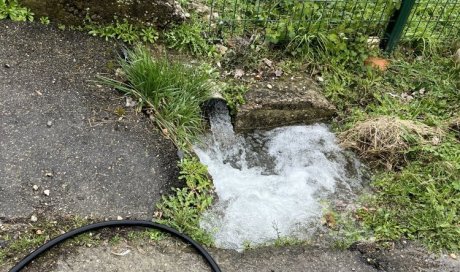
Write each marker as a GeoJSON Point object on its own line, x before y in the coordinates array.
{"type": "Point", "coordinates": [272, 184]}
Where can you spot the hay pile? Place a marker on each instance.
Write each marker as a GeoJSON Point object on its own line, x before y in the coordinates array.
{"type": "Point", "coordinates": [385, 140]}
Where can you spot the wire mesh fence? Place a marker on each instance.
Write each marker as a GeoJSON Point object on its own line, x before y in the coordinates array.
{"type": "Point", "coordinates": [434, 19]}
{"type": "Point", "coordinates": [283, 20]}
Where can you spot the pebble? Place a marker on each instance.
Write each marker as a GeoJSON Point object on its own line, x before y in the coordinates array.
{"type": "Point", "coordinates": [46, 192]}
{"type": "Point", "coordinates": [269, 86]}
{"type": "Point", "coordinates": [35, 187]}
{"type": "Point", "coordinates": [130, 102]}
{"type": "Point", "coordinates": [39, 232]}
{"type": "Point", "coordinates": [49, 123]}
{"type": "Point", "coordinates": [453, 256]}
{"type": "Point", "coordinates": [33, 218]}
{"type": "Point", "coordinates": [6, 65]}
{"type": "Point", "coordinates": [119, 218]}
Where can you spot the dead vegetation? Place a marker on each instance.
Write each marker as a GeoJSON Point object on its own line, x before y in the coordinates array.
{"type": "Point", "coordinates": [454, 125]}
{"type": "Point", "coordinates": [385, 140]}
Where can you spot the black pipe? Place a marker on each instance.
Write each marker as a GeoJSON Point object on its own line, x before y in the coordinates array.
{"type": "Point", "coordinates": [119, 223]}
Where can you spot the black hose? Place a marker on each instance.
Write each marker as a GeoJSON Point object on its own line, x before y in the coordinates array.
{"type": "Point", "coordinates": [120, 223]}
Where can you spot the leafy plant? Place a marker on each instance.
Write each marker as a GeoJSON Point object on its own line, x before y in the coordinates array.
{"type": "Point", "coordinates": [44, 20]}
{"type": "Point", "coordinates": [234, 96]}
{"type": "Point", "coordinates": [189, 37]}
{"type": "Point", "coordinates": [124, 31]}
{"type": "Point", "coordinates": [183, 209]}
{"type": "Point", "coordinates": [12, 10]}
{"type": "Point", "coordinates": [172, 91]}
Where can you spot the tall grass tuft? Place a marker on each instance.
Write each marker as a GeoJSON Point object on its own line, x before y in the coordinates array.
{"type": "Point", "coordinates": [172, 91]}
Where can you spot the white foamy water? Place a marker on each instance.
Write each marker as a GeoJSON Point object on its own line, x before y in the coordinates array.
{"type": "Point", "coordinates": [271, 184]}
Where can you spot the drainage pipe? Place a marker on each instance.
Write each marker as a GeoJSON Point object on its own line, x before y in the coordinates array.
{"type": "Point", "coordinates": [110, 224]}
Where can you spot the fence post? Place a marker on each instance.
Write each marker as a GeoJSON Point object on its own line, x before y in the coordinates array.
{"type": "Point", "coordinates": [396, 25]}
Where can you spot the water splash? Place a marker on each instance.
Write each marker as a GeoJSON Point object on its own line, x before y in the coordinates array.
{"type": "Point", "coordinates": [271, 184]}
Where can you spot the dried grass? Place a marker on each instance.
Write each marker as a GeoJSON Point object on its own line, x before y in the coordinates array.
{"type": "Point", "coordinates": [454, 124]}
{"type": "Point", "coordinates": [385, 140]}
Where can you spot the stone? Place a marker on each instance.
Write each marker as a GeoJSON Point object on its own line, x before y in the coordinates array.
{"type": "Point", "coordinates": [73, 12]}
{"type": "Point", "coordinates": [287, 102]}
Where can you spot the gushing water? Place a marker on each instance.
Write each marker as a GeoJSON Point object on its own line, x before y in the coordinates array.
{"type": "Point", "coordinates": [271, 184]}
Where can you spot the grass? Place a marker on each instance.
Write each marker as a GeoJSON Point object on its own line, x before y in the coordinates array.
{"type": "Point", "coordinates": [25, 237]}
{"type": "Point", "coordinates": [173, 92]}
{"type": "Point", "coordinates": [419, 198]}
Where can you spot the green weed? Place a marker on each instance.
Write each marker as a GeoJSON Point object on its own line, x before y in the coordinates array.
{"type": "Point", "coordinates": [172, 91]}
{"type": "Point", "coordinates": [44, 20]}
{"type": "Point", "coordinates": [10, 9]}
{"type": "Point", "coordinates": [234, 96]}
{"type": "Point", "coordinates": [183, 209]}
{"type": "Point", "coordinates": [190, 37]}
{"type": "Point", "coordinates": [123, 31]}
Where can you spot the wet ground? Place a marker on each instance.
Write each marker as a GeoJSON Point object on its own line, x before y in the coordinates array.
{"type": "Point", "coordinates": [64, 151]}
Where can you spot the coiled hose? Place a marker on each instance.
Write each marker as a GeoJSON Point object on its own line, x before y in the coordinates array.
{"type": "Point", "coordinates": [119, 223]}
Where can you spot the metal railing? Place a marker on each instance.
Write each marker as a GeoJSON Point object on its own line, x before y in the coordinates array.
{"type": "Point", "coordinates": [389, 20]}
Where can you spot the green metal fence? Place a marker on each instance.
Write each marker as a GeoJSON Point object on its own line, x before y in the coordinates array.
{"type": "Point", "coordinates": [387, 20]}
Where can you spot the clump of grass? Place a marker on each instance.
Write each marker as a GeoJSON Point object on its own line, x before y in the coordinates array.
{"type": "Point", "coordinates": [183, 209]}
{"type": "Point", "coordinates": [173, 92]}
{"type": "Point", "coordinates": [386, 139]}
